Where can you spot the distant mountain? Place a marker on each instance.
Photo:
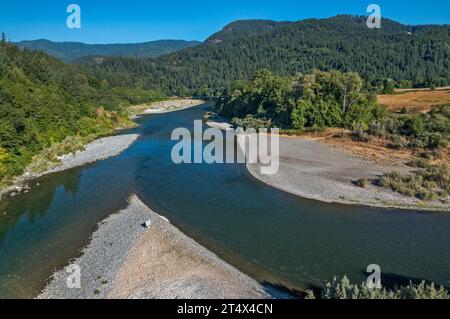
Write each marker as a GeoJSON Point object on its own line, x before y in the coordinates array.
{"type": "Point", "coordinates": [409, 55]}
{"type": "Point", "coordinates": [245, 28]}
{"type": "Point", "coordinates": [68, 51]}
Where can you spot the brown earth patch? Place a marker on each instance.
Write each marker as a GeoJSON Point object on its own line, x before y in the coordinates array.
{"type": "Point", "coordinates": [417, 101]}
{"type": "Point", "coordinates": [376, 150]}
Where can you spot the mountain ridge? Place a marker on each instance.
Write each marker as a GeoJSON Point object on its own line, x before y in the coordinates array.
{"type": "Point", "coordinates": [245, 28]}
{"type": "Point", "coordinates": [68, 51]}
{"type": "Point", "coordinates": [412, 56]}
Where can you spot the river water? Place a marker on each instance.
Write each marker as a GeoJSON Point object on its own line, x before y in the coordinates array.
{"type": "Point", "coordinates": [275, 237]}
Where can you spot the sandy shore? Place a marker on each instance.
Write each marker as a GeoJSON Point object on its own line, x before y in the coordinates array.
{"type": "Point", "coordinates": [220, 125]}
{"type": "Point", "coordinates": [166, 106]}
{"type": "Point", "coordinates": [97, 150]}
{"type": "Point", "coordinates": [127, 261]}
{"type": "Point", "coordinates": [100, 149]}
{"type": "Point", "coordinates": [318, 171]}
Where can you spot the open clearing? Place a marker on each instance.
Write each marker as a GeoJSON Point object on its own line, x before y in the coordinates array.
{"type": "Point", "coordinates": [376, 150]}
{"type": "Point", "coordinates": [420, 100]}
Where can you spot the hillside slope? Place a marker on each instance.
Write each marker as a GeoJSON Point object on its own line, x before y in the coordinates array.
{"type": "Point", "coordinates": [410, 55]}
{"type": "Point", "coordinates": [245, 28]}
{"type": "Point", "coordinates": [43, 101]}
{"type": "Point", "coordinates": [68, 51]}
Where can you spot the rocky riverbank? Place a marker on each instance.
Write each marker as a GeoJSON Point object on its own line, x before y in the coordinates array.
{"type": "Point", "coordinates": [321, 172]}
{"type": "Point", "coordinates": [166, 106]}
{"type": "Point", "coordinates": [100, 149]}
{"type": "Point", "coordinates": [128, 261]}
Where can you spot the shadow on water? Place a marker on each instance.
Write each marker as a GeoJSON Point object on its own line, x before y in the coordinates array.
{"type": "Point", "coordinates": [279, 291]}
{"type": "Point", "coordinates": [34, 207]}
{"type": "Point", "coordinates": [287, 243]}
{"type": "Point", "coordinates": [43, 230]}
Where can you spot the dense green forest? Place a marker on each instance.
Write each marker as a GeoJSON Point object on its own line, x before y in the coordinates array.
{"type": "Point", "coordinates": [315, 100]}
{"type": "Point", "coordinates": [395, 55]}
{"type": "Point", "coordinates": [43, 101]}
{"type": "Point", "coordinates": [245, 29]}
{"type": "Point", "coordinates": [319, 99]}
{"type": "Point", "coordinates": [68, 51]}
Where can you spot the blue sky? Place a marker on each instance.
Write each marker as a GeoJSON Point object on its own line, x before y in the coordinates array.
{"type": "Point", "coordinates": [122, 21]}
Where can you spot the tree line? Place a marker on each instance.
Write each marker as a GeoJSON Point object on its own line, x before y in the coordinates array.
{"type": "Point", "coordinates": [43, 101]}
{"type": "Point", "coordinates": [315, 100]}
{"type": "Point", "coordinates": [394, 56]}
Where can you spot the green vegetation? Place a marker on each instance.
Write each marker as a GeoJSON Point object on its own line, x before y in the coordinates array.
{"type": "Point", "coordinates": [431, 183]}
{"type": "Point", "coordinates": [393, 56]}
{"type": "Point", "coordinates": [68, 51]}
{"type": "Point", "coordinates": [343, 289]}
{"type": "Point", "coordinates": [315, 74]}
{"type": "Point", "coordinates": [362, 183]}
{"type": "Point", "coordinates": [244, 29]}
{"type": "Point", "coordinates": [315, 101]}
{"type": "Point", "coordinates": [319, 100]}
{"type": "Point", "coordinates": [43, 101]}
{"type": "Point", "coordinates": [428, 130]}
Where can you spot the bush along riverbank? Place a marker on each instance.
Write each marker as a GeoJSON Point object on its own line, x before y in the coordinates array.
{"type": "Point", "coordinates": [343, 289]}
{"type": "Point", "coordinates": [73, 149]}
{"type": "Point", "coordinates": [429, 184]}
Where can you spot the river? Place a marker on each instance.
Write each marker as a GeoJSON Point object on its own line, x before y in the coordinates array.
{"type": "Point", "coordinates": [275, 237]}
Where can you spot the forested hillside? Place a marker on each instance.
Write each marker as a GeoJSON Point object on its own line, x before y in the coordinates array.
{"type": "Point", "coordinates": [245, 28]}
{"type": "Point", "coordinates": [68, 51]}
{"type": "Point", "coordinates": [316, 100]}
{"type": "Point", "coordinates": [409, 55]}
{"type": "Point", "coordinates": [43, 101]}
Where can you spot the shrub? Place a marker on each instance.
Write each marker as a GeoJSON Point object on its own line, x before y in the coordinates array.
{"type": "Point", "coordinates": [343, 289]}
{"type": "Point", "coordinates": [431, 155]}
{"type": "Point", "coordinates": [398, 142]}
{"type": "Point", "coordinates": [429, 184]}
{"type": "Point", "coordinates": [404, 110]}
{"type": "Point", "coordinates": [361, 183]}
{"type": "Point", "coordinates": [429, 130]}
{"type": "Point", "coordinates": [361, 136]}
{"type": "Point", "coordinates": [251, 122]}
{"type": "Point", "coordinates": [377, 128]}
{"type": "Point", "coordinates": [427, 196]}
{"type": "Point", "coordinates": [419, 162]}
{"type": "Point", "coordinates": [3, 159]}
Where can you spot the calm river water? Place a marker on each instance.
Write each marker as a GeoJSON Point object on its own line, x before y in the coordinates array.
{"type": "Point", "coordinates": [274, 237]}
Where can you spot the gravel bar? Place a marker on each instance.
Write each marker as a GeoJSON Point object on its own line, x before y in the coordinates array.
{"type": "Point", "coordinates": [125, 260]}
{"type": "Point", "coordinates": [97, 150]}
{"type": "Point", "coordinates": [318, 171]}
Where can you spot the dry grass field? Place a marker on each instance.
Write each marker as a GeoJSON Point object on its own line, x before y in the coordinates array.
{"type": "Point", "coordinates": [376, 150]}
{"type": "Point", "coordinates": [420, 100]}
